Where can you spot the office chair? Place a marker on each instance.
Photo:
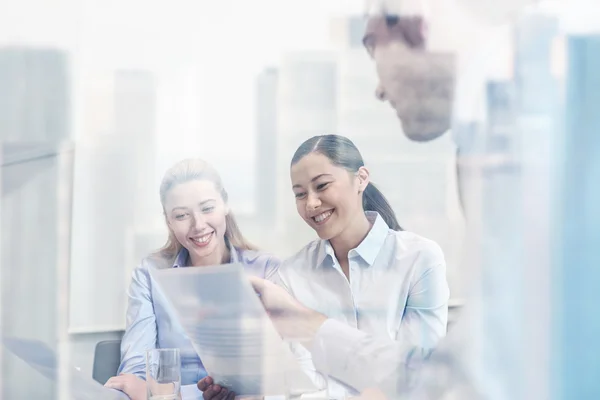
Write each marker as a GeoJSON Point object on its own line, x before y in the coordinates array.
{"type": "Point", "coordinates": [107, 358]}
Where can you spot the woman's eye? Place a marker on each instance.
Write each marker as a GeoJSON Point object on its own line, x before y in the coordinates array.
{"type": "Point", "coordinates": [208, 209]}
{"type": "Point", "coordinates": [180, 216]}
{"type": "Point", "coordinates": [322, 186]}
{"type": "Point", "coordinates": [300, 195]}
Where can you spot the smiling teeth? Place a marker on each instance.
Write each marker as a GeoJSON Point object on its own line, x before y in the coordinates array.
{"type": "Point", "coordinates": [322, 217]}
{"type": "Point", "coordinates": [202, 239]}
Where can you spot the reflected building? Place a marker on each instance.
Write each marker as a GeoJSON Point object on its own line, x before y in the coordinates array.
{"type": "Point", "coordinates": [135, 127]}
{"type": "Point", "coordinates": [346, 32]}
{"type": "Point", "coordinates": [36, 159]}
{"type": "Point", "coordinates": [501, 117]}
{"type": "Point", "coordinates": [135, 105]}
{"type": "Point", "coordinates": [522, 113]}
{"type": "Point", "coordinates": [34, 101]}
{"type": "Point", "coordinates": [266, 147]}
{"type": "Point", "coordinates": [575, 254]}
{"type": "Point", "coordinates": [534, 38]}
{"type": "Point", "coordinates": [114, 198]}
{"type": "Point", "coordinates": [307, 104]}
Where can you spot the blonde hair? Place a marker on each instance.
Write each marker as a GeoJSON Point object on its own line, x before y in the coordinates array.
{"type": "Point", "coordinates": [196, 169]}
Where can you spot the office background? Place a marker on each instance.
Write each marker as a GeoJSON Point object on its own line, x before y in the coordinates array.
{"type": "Point", "coordinates": [98, 99]}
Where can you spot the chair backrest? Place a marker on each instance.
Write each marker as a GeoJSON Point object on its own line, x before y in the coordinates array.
{"type": "Point", "coordinates": [107, 358]}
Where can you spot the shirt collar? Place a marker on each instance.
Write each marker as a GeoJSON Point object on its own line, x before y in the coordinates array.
{"type": "Point", "coordinates": [372, 244]}
{"type": "Point", "coordinates": [368, 248]}
{"type": "Point", "coordinates": [182, 257]}
{"type": "Point", "coordinates": [234, 254]}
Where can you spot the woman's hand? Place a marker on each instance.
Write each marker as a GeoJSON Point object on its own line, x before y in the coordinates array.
{"type": "Point", "coordinates": [292, 319]}
{"type": "Point", "coordinates": [212, 391]}
{"type": "Point", "coordinates": [129, 384]}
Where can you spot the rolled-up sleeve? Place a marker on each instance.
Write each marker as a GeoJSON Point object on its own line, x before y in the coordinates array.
{"type": "Point", "coordinates": [362, 361]}
{"type": "Point", "coordinates": [140, 332]}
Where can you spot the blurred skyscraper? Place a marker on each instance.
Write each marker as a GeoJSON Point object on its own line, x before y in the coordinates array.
{"type": "Point", "coordinates": [347, 32]}
{"type": "Point", "coordinates": [307, 104]}
{"type": "Point", "coordinates": [116, 201]}
{"type": "Point", "coordinates": [534, 37]}
{"type": "Point", "coordinates": [34, 95]}
{"type": "Point", "coordinates": [522, 116]}
{"type": "Point", "coordinates": [135, 128]}
{"type": "Point", "coordinates": [266, 147]}
{"type": "Point", "coordinates": [576, 255]}
{"type": "Point", "coordinates": [36, 180]}
{"type": "Point", "coordinates": [501, 109]}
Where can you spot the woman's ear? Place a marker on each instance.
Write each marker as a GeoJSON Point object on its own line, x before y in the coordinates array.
{"type": "Point", "coordinates": [363, 179]}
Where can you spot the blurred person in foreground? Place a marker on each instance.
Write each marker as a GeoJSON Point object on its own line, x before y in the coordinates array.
{"type": "Point", "coordinates": [202, 232]}
{"type": "Point", "coordinates": [436, 87]}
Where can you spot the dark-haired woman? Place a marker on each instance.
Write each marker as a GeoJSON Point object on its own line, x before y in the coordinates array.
{"type": "Point", "coordinates": [371, 300]}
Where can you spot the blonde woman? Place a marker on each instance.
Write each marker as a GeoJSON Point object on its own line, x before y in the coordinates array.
{"type": "Point", "coordinates": [202, 232]}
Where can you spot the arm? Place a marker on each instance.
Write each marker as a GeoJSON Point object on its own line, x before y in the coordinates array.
{"type": "Point", "coordinates": [140, 333]}
{"type": "Point", "coordinates": [357, 358]}
{"type": "Point", "coordinates": [362, 361]}
{"type": "Point", "coordinates": [425, 317]}
{"type": "Point", "coordinates": [365, 362]}
{"type": "Point", "coordinates": [345, 353]}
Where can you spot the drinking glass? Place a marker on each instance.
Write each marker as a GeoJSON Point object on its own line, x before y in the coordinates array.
{"type": "Point", "coordinates": [163, 374]}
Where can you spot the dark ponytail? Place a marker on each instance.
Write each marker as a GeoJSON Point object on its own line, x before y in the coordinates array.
{"type": "Point", "coordinates": [374, 200]}
{"type": "Point", "coordinates": [342, 152]}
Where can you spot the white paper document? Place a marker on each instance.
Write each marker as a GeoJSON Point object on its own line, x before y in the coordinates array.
{"type": "Point", "coordinates": [230, 330]}
{"type": "Point", "coordinates": [43, 359]}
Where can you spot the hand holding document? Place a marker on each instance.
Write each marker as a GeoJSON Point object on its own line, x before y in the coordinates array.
{"type": "Point", "coordinates": [293, 320]}
{"type": "Point", "coordinates": [230, 330]}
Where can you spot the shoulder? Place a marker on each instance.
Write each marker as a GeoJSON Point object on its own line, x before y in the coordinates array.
{"type": "Point", "coordinates": [261, 263]}
{"type": "Point", "coordinates": [425, 253]}
{"type": "Point", "coordinates": [257, 256]}
{"type": "Point", "coordinates": [302, 262]}
{"type": "Point", "coordinates": [141, 278]}
{"type": "Point", "coordinates": [307, 255]}
{"type": "Point", "coordinates": [156, 261]}
{"type": "Point", "coordinates": [296, 270]}
{"type": "Point", "coordinates": [152, 261]}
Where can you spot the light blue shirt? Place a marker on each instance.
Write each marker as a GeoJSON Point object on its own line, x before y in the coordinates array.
{"type": "Point", "coordinates": [395, 301]}
{"type": "Point", "coordinates": [151, 322]}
